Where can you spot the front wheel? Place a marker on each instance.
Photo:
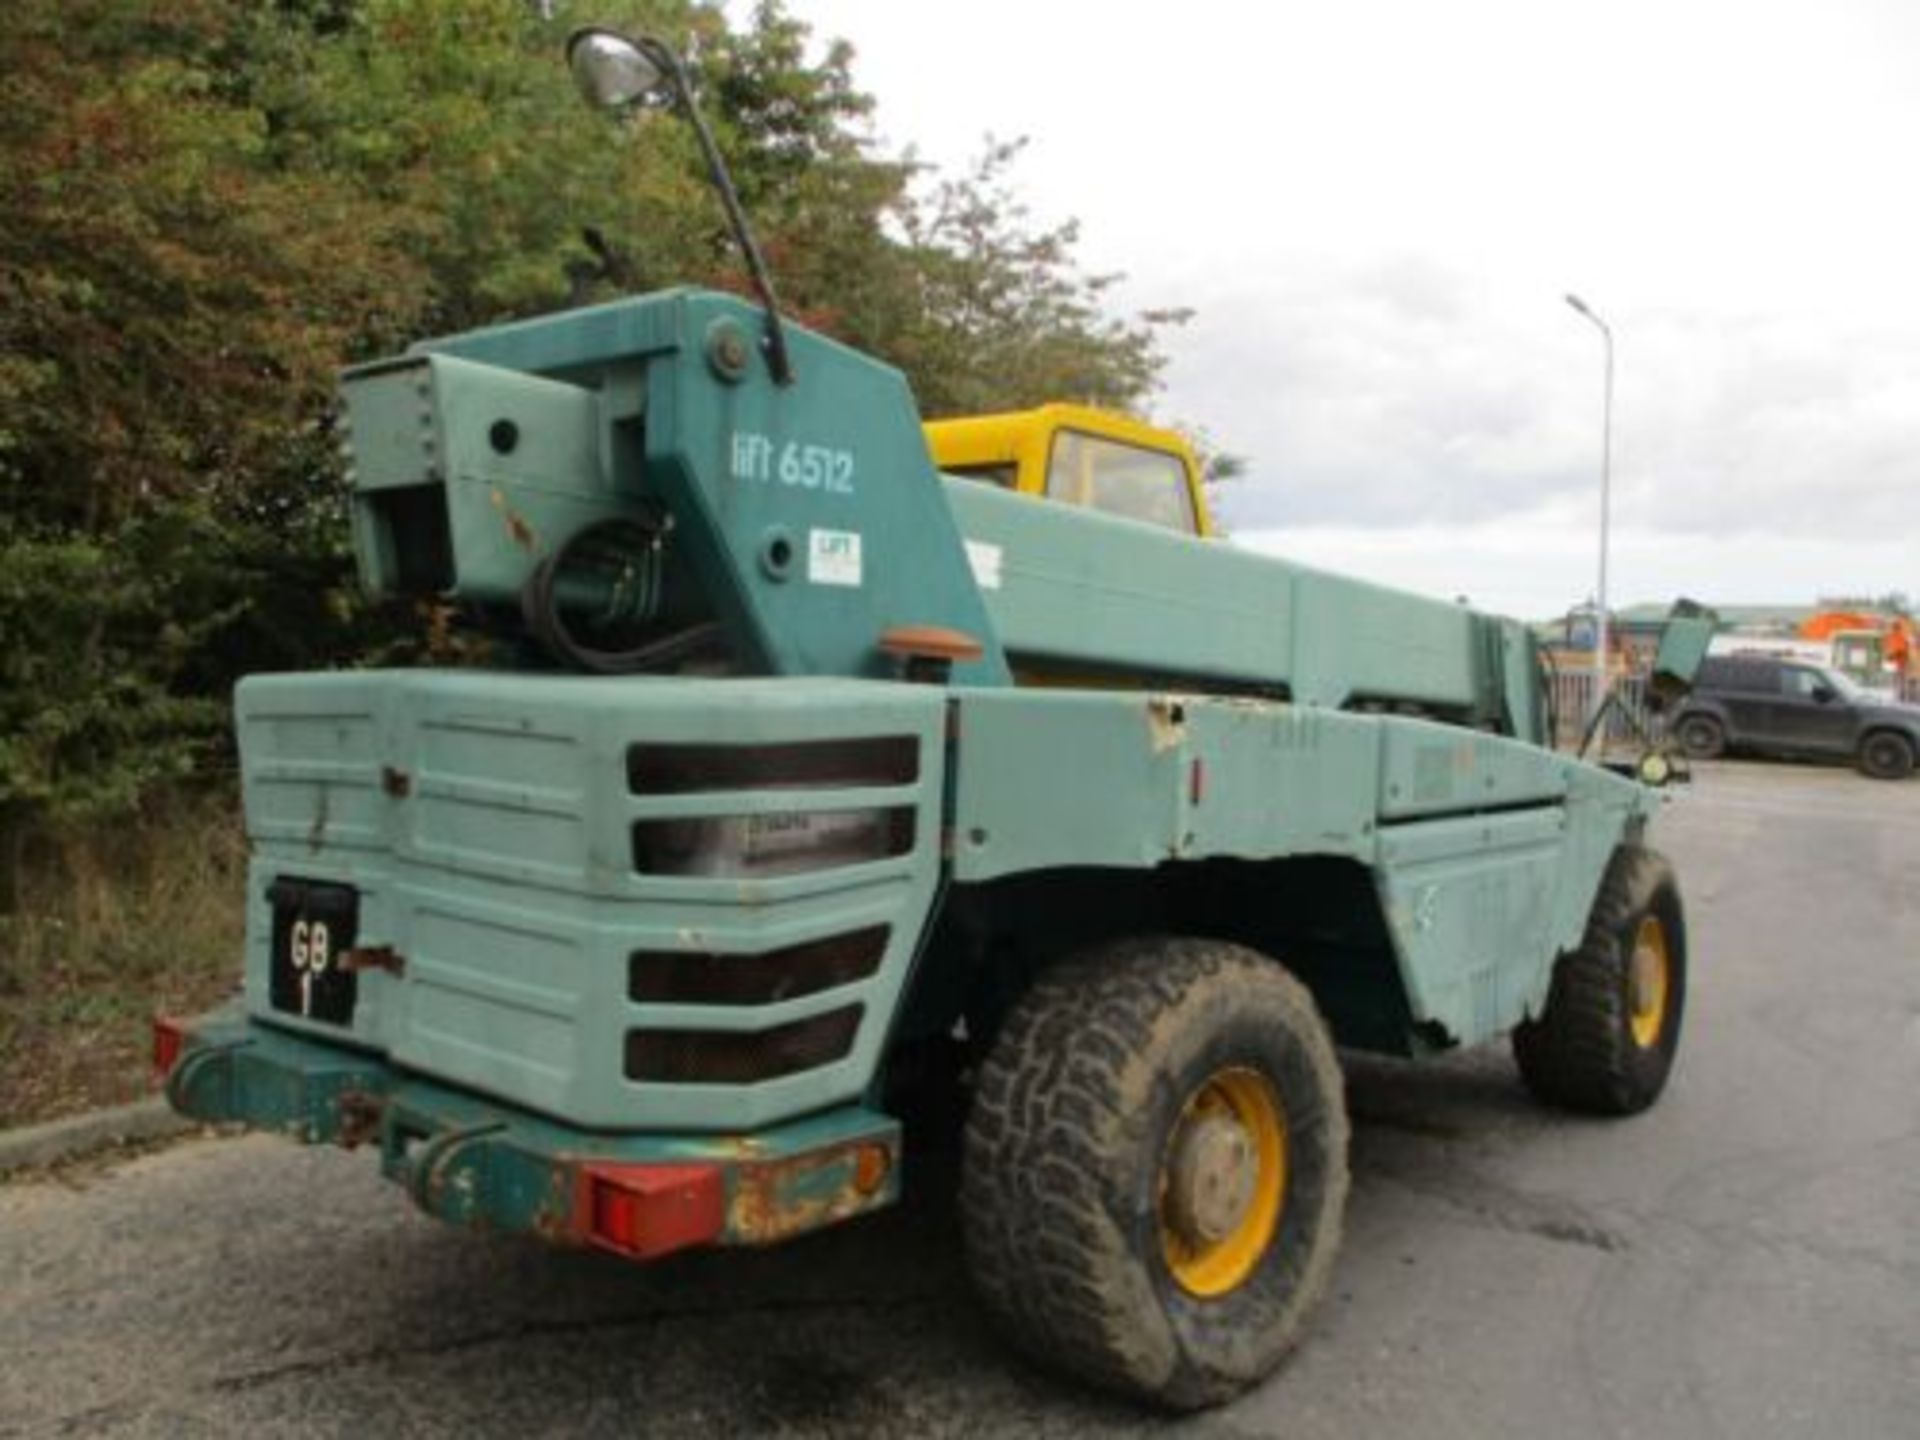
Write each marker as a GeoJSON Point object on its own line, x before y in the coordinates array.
{"type": "Point", "coordinates": [1702, 737]}
{"type": "Point", "coordinates": [1156, 1168]}
{"type": "Point", "coordinates": [1886, 755]}
{"type": "Point", "coordinates": [1606, 1041]}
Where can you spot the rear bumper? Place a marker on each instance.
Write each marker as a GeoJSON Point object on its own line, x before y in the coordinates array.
{"type": "Point", "coordinates": [480, 1163]}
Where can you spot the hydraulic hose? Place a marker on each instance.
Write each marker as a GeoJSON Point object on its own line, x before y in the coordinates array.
{"type": "Point", "coordinates": [636, 545]}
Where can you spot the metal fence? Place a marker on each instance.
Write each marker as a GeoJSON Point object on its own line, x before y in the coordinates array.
{"type": "Point", "coordinates": [1573, 704]}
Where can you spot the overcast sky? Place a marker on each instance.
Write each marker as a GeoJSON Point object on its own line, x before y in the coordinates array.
{"type": "Point", "coordinates": [1375, 207]}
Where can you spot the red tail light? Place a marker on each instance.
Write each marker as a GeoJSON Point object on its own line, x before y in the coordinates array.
{"type": "Point", "coordinates": [168, 1037]}
{"type": "Point", "coordinates": [646, 1211]}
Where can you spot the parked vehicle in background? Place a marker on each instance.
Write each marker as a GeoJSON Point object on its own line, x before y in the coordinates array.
{"type": "Point", "coordinates": [1778, 647]}
{"type": "Point", "coordinates": [1880, 651]}
{"type": "Point", "coordinates": [1778, 706]}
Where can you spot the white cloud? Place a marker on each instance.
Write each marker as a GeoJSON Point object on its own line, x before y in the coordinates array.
{"type": "Point", "coordinates": [1538, 565]}
{"type": "Point", "coordinates": [1376, 206]}
{"type": "Point", "coordinates": [1404, 397]}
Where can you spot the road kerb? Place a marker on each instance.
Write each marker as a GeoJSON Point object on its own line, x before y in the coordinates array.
{"type": "Point", "coordinates": [76, 1136]}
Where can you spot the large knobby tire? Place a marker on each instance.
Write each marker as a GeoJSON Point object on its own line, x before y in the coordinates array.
{"type": "Point", "coordinates": [1702, 737]}
{"type": "Point", "coordinates": [1156, 1168]}
{"type": "Point", "coordinates": [1886, 755]}
{"type": "Point", "coordinates": [1606, 1042]}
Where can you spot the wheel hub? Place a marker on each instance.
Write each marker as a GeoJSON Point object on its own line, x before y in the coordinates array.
{"type": "Point", "coordinates": [1222, 1182]}
{"type": "Point", "coordinates": [1644, 983]}
{"type": "Point", "coordinates": [1647, 982]}
{"type": "Point", "coordinates": [1214, 1176]}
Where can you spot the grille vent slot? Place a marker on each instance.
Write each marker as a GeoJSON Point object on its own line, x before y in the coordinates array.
{"type": "Point", "coordinates": [726, 1057]}
{"type": "Point", "coordinates": [667, 977]}
{"type": "Point", "coordinates": [804, 764]}
{"type": "Point", "coordinates": [780, 843]}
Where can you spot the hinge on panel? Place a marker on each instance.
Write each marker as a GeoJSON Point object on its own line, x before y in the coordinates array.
{"type": "Point", "coordinates": [371, 957]}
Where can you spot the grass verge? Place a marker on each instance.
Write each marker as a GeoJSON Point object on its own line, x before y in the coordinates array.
{"type": "Point", "coordinates": [107, 927]}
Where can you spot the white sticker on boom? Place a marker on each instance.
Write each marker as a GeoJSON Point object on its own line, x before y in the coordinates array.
{"type": "Point", "coordinates": [833, 557]}
{"type": "Point", "coordinates": [985, 560]}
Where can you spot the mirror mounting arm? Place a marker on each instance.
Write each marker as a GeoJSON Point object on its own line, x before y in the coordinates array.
{"type": "Point", "coordinates": [779, 364]}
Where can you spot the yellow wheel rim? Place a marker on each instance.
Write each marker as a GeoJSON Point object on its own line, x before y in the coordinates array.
{"type": "Point", "coordinates": [1649, 982]}
{"type": "Point", "coordinates": [1223, 1182]}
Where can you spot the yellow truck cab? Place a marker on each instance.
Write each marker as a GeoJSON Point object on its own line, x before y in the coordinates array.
{"type": "Point", "coordinates": [1082, 456]}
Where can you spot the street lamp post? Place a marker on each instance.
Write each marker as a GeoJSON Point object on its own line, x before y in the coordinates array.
{"type": "Point", "coordinates": [1606, 482]}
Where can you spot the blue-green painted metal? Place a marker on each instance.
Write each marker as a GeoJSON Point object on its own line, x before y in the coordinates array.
{"type": "Point", "coordinates": [1684, 640]}
{"type": "Point", "coordinates": [501, 867]}
{"type": "Point", "coordinates": [1485, 851]}
{"type": "Point", "coordinates": [475, 1162]}
{"type": "Point", "coordinates": [1080, 594]}
{"type": "Point", "coordinates": [619, 411]}
{"type": "Point", "coordinates": [409, 435]}
{"type": "Point", "coordinates": [807, 517]}
{"type": "Point", "coordinates": [1146, 709]}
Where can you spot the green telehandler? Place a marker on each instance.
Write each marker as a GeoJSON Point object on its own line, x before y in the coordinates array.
{"type": "Point", "coordinates": [805, 769]}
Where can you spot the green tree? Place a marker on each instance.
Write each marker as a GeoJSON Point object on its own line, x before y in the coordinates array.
{"type": "Point", "coordinates": [213, 204]}
{"type": "Point", "coordinates": [172, 307]}
{"type": "Point", "coordinates": [1001, 314]}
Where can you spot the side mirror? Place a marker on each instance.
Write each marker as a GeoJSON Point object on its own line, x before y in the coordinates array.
{"type": "Point", "coordinates": [611, 70]}
{"type": "Point", "coordinates": [1824, 695]}
{"type": "Point", "coordinates": [614, 72]}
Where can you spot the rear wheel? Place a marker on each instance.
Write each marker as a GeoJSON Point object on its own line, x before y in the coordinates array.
{"type": "Point", "coordinates": [1702, 737]}
{"type": "Point", "coordinates": [1606, 1041]}
{"type": "Point", "coordinates": [1886, 755]}
{"type": "Point", "coordinates": [1156, 1168]}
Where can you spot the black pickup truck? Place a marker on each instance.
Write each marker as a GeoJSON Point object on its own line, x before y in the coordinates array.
{"type": "Point", "coordinates": [1771, 705]}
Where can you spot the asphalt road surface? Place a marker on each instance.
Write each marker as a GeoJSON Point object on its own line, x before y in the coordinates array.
{"type": "Point", "coordinates": [1743, 1261]}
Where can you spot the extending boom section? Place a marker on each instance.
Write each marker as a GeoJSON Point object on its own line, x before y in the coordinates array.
{"type": "Point", "coordinates": [1084, 597]}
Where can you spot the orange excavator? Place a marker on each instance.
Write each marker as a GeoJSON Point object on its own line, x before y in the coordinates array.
{"type": "Point", "coordinates": [1866, 644]}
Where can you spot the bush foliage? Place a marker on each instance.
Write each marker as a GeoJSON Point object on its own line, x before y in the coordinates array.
{"type": "Point", "coordinates": [211, 205]}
